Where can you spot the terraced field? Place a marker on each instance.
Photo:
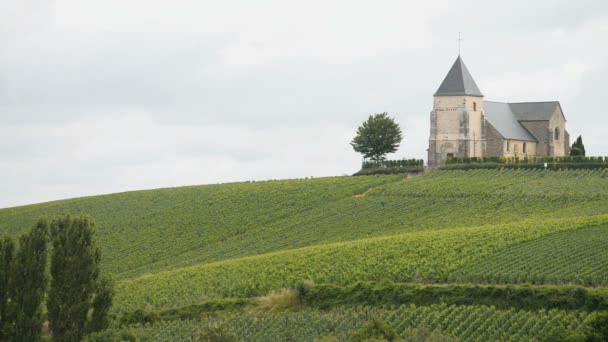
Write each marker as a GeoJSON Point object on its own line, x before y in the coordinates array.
{"type": "Point", "coordinates": [181, 246]}
{"type": "Point", "coordinates": [455, 322]}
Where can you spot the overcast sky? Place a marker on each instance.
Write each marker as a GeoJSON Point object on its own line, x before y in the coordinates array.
{"type": "Point", "coordinates": [108, 96]}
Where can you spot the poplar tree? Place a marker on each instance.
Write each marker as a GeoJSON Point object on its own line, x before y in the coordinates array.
{"type": "Point", "coordinates": [7, 250]}
{"type": "Point", "coordinates": [578, 148]}
{"type": "Point", "coordinates": [102, 303]}
{"type": "Point", "coordinates": [27, 286]}
{"type": "Point", "coordinates": [74, 272]}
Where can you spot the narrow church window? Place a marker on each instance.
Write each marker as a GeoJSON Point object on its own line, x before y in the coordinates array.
{"type": "Point", "coordinates": [524, 148]}
{"type": "Point", "coordinates": [556, 133]}
{"type": "Point", "coordinates": [508, 146]}
{"type": "Point", "coordinates": [474, 106]}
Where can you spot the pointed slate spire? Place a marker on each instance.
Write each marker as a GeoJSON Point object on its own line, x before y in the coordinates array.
{"type": "Point", "coordinates": [458, 82]}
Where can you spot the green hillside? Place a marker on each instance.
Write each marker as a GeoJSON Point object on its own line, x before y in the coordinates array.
{"type": "Point", "coordinates": [182, 246]}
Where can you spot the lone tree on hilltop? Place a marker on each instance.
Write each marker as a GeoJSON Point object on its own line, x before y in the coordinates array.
{"type": "Point", "coordinates": [578, 148]}
{"type": "Point", "coordinates": [377, 136]}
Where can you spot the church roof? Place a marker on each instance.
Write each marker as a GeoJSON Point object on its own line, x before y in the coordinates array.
{"type": "Point", "coordinates": [458, 82]}
{"type": "Point", "coordinates": [502, 117]}
{"type": "Point", "coordinates": [533, 111]}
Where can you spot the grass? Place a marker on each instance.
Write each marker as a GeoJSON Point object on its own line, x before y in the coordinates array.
{"type": "Point", "coordinates": [426, 256]}
{"type": "Point", "coordinates": [149, 231]}
{"type": "Point", "coordinates": [198, 256]}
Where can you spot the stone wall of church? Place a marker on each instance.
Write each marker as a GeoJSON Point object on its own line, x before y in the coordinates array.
{"type": "Point", "coordinates": [540, 131]}
{"type": "Point", "coordinates": [456, 128]}
{"type": "Point", "coordinates": [494, 141]}
{"type": "Point", "coordinates": [519, 148]}
{"type": "Point", "coordinates": [557, 146]}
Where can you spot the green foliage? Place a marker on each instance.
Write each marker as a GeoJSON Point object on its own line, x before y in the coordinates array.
{"type": "Point", "coordinates": [211, 222]}
{"type": "Point", "coordinates": [430, 256]}
{"type": "Point", "coordinates": [193, 311]}
{"type": "Point", "coordinates": [578, 148]}
{"type": "Point", "coordinates": [375, 330]}
{"type": "Point", "coordinates": [399, 163]}
{"type": "Point", "coordinates": [389, 171]}
{"type": "Point", "coordinates": [102, 303]}
{"type": "Point", "coordinates": [580, 254]}
{"type": "Point", "coordinates": [502, 297]}
{"type": "Point", "coordinates": [7, 252]}
{"type": "Point", "coordinates": [218, 333]}
{"type": "Point", "coordinates": [138, 316]}
{"type": "Point", "coordinates": [75, 272]}
{"type": "Point", "coordinates": [114, 335]}
{"type": "Point", "coordinates": [439, 227]}
{"type": "Point", "coordinates": [575, 151]}
{"type": "Point", "coordinates": [409, 322]}
{"type": "Point", "coordinates": [598, 327]}
{"type": "Point", "coordinates": [27, 286]}
{"type": "Point", "coordinates": [377, 136]}
{"type": "Point", "coordinates": [219, 222]}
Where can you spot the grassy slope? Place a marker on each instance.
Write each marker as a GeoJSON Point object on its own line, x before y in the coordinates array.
{"type": "Point", "coordinates": [148, 231]}
{"type": "Point", "coordinates": [246, 238]}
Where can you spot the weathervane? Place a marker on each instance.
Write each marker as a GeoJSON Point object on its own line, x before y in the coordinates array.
{"type": "Point", "coordinates": [459, 40]}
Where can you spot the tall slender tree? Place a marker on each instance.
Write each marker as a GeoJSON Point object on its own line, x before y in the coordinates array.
{"type": "Point", "coordinates": [27, 286]}
{"type": "Point", "coordinates": [104, 295]}
{"type": "Point", "coordinates": [75, 272]}
{"type": "Point", "coordinates": [578, 148]}
{"type": "Point", "coordinates": [7, 250]}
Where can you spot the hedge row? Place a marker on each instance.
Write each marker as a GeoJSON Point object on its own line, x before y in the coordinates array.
{"type": "Point", "coordinates": [550, 166]}
{"type": "Point", "coordinates": [368, 164]}
{"type": "Point", "coordinates": [389, 171]}
{"type": "Point", "coordinates": [529, 160]}
{"type": "Point", "coordinates": [526, 297]}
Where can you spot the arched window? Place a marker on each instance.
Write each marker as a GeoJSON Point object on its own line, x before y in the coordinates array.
{"type": "Point", "coordinates": [508, 146]}
{"type": "Point", "coordinates": [556, 133]}
{"type": "Point", "coordinates": [474, 106]}
{"type": "Point", "coordinates": [524, 148]}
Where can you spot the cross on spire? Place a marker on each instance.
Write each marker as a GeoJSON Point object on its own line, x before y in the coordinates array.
{"type": "Point", "coordinates": [459, 40]}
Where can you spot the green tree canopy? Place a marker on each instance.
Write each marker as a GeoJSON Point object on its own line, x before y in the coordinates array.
{"type": "Point", "coordinates": [377, 136]}
{"type": "Point", "coordinates": [7, 252]}
{"type": "Point", "coordinates": [578, 148]}
{"type": "Point", "coordinates": [27, 286]}
{"type": "Point", "coordinates": [75, 274]}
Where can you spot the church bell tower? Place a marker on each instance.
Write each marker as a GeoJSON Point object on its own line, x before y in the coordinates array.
{"type": "Point", "coordinates": [457, 118]}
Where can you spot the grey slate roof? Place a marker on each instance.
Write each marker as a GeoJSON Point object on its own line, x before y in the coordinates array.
{"type": "Point", "coordinates": [501, 117]}
{"type": "Point", "coordinates": [458, 82]}
{"type": "Point", "coordinates": [526, 111]}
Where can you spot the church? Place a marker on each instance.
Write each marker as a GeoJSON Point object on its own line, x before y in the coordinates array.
{"type": "Point", "coordinates": [464, 125]}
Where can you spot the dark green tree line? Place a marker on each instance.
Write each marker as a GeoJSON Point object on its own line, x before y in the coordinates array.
{"type": "Point", "coordinates": [27, 285]}
{"type": "Point", "coordinates": [7, 250]}
{"type": "Point", "coordinates": [78, 300]}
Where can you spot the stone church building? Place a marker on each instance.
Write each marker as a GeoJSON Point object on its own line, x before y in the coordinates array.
{"type": "Point", "coordinates": [464, 125]}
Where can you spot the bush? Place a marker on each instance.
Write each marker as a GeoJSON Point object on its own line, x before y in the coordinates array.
{"type": "Point", "coordinates": [375, 330]}
{"type": "Point", "coordinates": [502, 297]}
{"type": "Point", "coordinates": [138, 317]}
{"type": "Point", "coordinates": [217, 333]}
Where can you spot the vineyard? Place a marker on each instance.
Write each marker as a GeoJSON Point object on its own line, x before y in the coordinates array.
{"type": "Point", "coordinates": [428, 256]}
{"type": "Point", "coordinates": [175, 247]}
{"type": "Point", "coordinates": [466, 323]}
